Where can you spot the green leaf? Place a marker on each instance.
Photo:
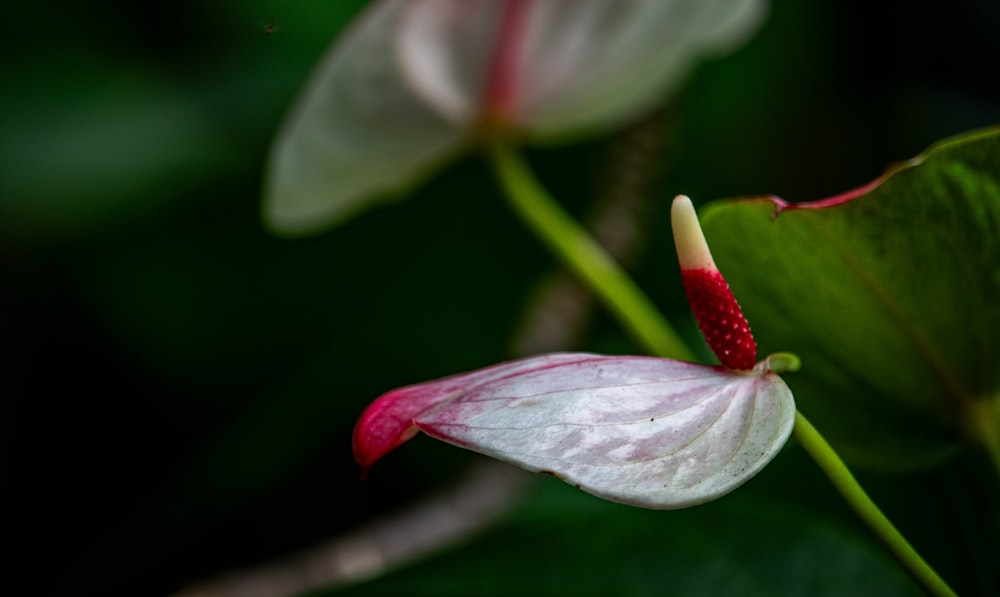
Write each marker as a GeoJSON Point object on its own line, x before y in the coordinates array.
{"type": "Point", "coordinates": [889, 294]}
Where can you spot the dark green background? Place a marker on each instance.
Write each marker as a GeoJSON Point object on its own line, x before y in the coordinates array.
{"type": "Point", "coordinates": [179, 387]}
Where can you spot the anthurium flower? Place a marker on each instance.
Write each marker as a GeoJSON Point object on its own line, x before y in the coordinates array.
{"type": "Point", "coordinates": [413, 81]}
{"type": "Point", "coordinates": [646, 431]}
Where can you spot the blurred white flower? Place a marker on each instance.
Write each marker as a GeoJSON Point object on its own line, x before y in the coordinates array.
{"type": "Point", "coordinates": [414, 80]}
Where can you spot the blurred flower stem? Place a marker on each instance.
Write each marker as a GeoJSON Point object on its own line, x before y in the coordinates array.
{"type": "Point", "coordinates": [567, 239]}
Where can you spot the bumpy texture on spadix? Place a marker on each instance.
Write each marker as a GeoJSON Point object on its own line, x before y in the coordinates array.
{"type": "Point", "coordinates": [715, 308]}
{"type": "Point", "coordinates": [638, 430]}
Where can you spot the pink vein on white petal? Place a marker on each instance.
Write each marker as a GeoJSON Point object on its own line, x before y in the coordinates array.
{"type": "Point", "coordinates": [638, 430]}
{"type": "Point", "coordinates": [445, 50]}
{"type": "Point", "coordinates": [554, 66]}
{"type": "Point", "coordinates": [503, 90]}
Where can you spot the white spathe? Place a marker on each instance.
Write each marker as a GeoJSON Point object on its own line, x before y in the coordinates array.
{"type": "Point", "coordinates": [357, 133]}
{"type": "Point", "coordinates": [643, 431]}
{"type": "Point", "coordinates": [401, 91]}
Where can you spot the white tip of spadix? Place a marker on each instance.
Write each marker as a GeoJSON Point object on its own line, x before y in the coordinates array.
{"type": "Point", "coordinates": [692, 250]}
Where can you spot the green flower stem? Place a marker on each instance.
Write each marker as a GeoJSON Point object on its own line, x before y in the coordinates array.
{"type": "Point", "coordinates": [586, 258]}
{"type": "Point", "coordinates": [575, 247]}
{"type": "Point", "coordinates": [855, 496]}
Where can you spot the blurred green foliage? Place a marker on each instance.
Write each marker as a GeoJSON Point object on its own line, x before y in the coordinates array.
{"type": "Point", "coordinates": [767, 540]}
{"type": "Point", "coordinates": [180, 387]}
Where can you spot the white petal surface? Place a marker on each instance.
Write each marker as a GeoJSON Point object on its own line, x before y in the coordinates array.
{"type": "Point", "coordinates": [639, 430]}
{"type": "Point", "coordinates": [446, 48]}
{"type": "Point", "coordinates": [579, 64]}
{"type": "Point", "coordinates": [390, 420]}
{"type": "Point", "coordinates": [357, 132]}
{"type": "Point", "coordinates": [591, 63]}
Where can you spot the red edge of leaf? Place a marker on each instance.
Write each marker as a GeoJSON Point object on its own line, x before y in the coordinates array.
{"type": "Point", "coordinates": [780, 205]}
